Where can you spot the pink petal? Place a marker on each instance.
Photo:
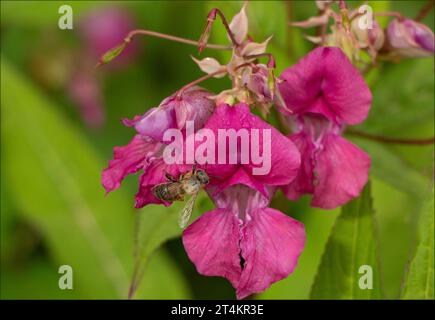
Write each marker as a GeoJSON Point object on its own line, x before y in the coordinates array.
{"type": "Point", "coordinates": [128, 159]}
{"type": "Point", "coordinates": [211, 242]}
{"type": "Point", "coordinates": [194, 105]}
{"type": "Point", "coordinates": [304, 181]}
{"type": "Point", "coordinates": [284, 156]}
{"type": "Point", "coordinates": [173, 112]}
{"type": "Point", "coordinates": [154, 123]}
{"type": "Point", "coordinates": [326, 73]}
{"type": "Point", "coordinates": [342, 170]}
{"type": "Point", "coordinates": [271, 244]}
{"type": "Point", "coordinates": [409, 38]}
{"type": "Point", "coordinates": [239, 177]}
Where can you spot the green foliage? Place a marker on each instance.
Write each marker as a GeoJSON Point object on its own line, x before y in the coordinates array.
{"type": "Point", "coordinates": [54, 177]}
{"type": "Point", "coordinates": [390, 167]}
{"type": "Point", "coordinates": [419, 283]}
{"type": "Point", "coordinates": [318, 224]}
{"type": "Point", "coordinates": [156, 225]}
{"type": "Point", "coordinates": [351, 245]}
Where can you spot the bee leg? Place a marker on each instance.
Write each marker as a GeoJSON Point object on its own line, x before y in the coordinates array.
{"type": "Point", "coordinates": [170, 177]}
{"type": "Point", "coordinates": [194, 167]}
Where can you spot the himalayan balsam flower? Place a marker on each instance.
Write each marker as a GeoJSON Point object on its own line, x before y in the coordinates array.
{"type": "Point", "coordinates": [243, 239]}
{"type": "Point", "coordinates": [192, 105]}
{"type": "Point", "coordinates": [144, 152]}
{"type": "Point", "coordinates": [408, 38]}
{"type": "Point", "coordinates": [325, 93]}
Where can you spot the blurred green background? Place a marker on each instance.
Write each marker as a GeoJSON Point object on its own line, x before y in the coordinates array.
{"type": "Point", "coordinates": [53, 207]}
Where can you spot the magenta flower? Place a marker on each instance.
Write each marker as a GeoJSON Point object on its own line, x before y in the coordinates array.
{"type": "Point", "coordinates": [325, 92]}
{"type": "Point", "coordinates": [192, 105]}
{"type": "Point", "coordinates": [144, 152]}
{"type": "Point", "coordinates": [408, 38]}
{"type": "Point", "coordinates": [243, 240]}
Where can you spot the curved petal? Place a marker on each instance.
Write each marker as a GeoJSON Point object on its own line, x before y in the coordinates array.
{"type": "Point", "coordinates": [155, 122]}
{"type": "Point", "coordinates": [270, 246]}
{"type": "Point", "coordinates": [278, 158]}
{"type": "Point", "coordinates": [240, 177]}
{"type": "Point", "coordinates": [326, 73]}
{"type": "Point", "coordinates": [211, 242]}
{"type": "Point", "coordinates": [128, 159]}
{"type": "Point", "coordinates": [304, 181]}
{"type": "Point", "coordinates": [342, 170]}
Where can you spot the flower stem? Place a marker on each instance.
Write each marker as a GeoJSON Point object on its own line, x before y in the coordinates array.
{"type": "Point", "coordinates": [392, 140]}
{"type": "Point", "coordinates": [425, 10]}
{"type": "Point", "coordinates": [199, 80]}
{"type": "Point", "coordinates": [211, 17]}
{"type": "Point", "coordinates": [397, 15]}
{"type": "Point", "coordinates": [132, 33]}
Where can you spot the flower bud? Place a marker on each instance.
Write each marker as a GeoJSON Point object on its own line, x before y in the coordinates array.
{"type": "Point", "coordinates": [192, 105]}
{"type": "Point", "coordinates": [408, 38]}
{"type": "Point", "coordinates": [366, 37]}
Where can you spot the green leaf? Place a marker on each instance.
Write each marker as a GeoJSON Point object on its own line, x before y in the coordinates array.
{"type": "Point", "coordinates": [53, 174]}
{"type": "Point", "coordinates": [389, 167]}
{"type": "Point", "coordinates": [419, 282]}
{"type": "Point", "coordinates": [156, 226]}
{"type": "Point", "coordinates": [397, 109]}
{"type": "Point", "coordinates": [351, 245]}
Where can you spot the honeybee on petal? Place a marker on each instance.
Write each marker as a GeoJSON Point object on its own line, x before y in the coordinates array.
{"type": "Point", "coordinates": [187, 184]}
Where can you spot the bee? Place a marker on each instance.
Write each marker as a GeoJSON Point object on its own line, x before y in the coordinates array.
{"type": "Point", "coordinates": [187, 184]}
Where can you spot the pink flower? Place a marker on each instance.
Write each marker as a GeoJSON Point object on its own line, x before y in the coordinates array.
{"type": "Point", "coordinates": [409, 38]}
{"type": "Point", "coordinates": [325, 92]}
{"type": "Point", "coordinates": [243, 240]}
{"type": "Point", "coordinates": [144, 152]}
{"type": "Point", "coordinates": [192, 105]}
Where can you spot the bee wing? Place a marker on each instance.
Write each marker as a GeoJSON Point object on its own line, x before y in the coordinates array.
{"type": "Point", "coordinates": [187, 211]}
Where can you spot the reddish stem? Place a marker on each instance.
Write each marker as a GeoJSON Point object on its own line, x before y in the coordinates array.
{"type": "Point", "coordinates": [131, 34]}
{"type": "Point", "coordinates": [384, 139]}
{"type": "Point", "coordinates": [397, 15]}
{"type": "Point", "coordinates": [197, 81]}
{"type": "Point", "coordinates": [425, 10]}
{"type": "Point", "coordinates": [211, 17]}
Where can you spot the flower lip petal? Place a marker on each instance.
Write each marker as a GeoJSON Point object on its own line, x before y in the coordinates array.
{"type": "Point", "coordinates": [342, 172]}
{"type": "Point", "coordinates": [271, 243]}
{"type": "Point", "coordinates": [211, 242]}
